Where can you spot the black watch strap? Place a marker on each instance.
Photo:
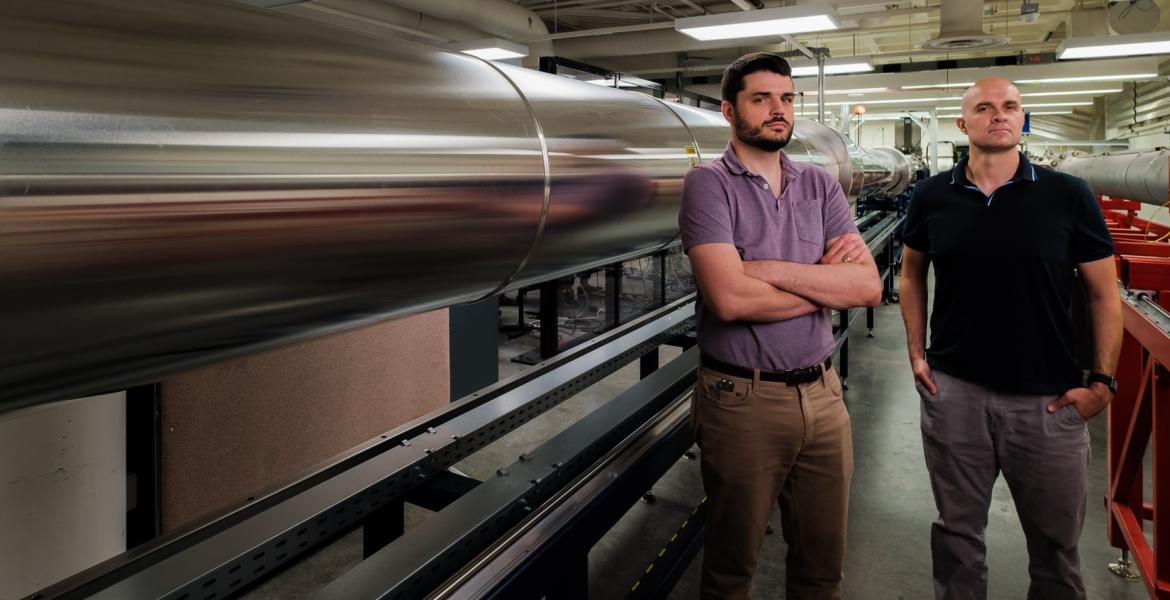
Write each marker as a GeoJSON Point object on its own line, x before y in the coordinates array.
{"type": "Point", "coordinates": [1109, 381]}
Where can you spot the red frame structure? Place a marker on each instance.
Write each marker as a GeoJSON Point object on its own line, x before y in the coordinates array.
{"type": "Point", "coordinates": [1137, 416]}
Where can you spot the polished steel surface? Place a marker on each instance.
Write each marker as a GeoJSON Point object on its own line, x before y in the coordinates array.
{"type": "Point", "coordinates": [893, 170]}
{"type": "Point", "coordinates": [184, 183]}
{"type": "Point", "coordinates": [617, 161]}
{"type": "Point", "coordinates": [1142, 175]}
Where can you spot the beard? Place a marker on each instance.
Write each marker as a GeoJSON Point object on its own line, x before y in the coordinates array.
{"type": "Point", "coordinates": [762, 138]}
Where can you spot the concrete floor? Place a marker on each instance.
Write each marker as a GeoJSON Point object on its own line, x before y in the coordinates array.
{"type": "Point", "coordinates": [890, 513]}
{"type": "Point", "coordinates": [891, 507]}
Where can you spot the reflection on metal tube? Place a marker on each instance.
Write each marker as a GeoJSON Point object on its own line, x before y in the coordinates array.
{"type": "Point", "coordinates": [1143, 175]}
{"type": "Point", "coordinates": [182, 185]}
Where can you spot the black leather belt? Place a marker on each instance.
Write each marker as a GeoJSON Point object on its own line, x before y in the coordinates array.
{"type": "Point", "coordinates": [790, 376]}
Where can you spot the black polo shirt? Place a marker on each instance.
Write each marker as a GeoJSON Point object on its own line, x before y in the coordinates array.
{"type": "Point", "coordinates": [1004, 274]}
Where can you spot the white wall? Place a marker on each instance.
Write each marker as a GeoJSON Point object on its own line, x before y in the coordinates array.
{"type": "Point", "coordinates": [1153, 140]}
{"type": "Point", "coordinates": [877, 133]}
{"type": "Point", "coordinates": [62, 490]}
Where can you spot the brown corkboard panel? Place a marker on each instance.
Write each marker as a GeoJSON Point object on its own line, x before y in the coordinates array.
{"type": "Point", "coordinates": [244, 425]}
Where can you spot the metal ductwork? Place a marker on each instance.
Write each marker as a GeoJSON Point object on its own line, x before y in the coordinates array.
{"type": "Point", "coordinates": [179, 185]}
{"type": "Point", "coordinates": [961, 28]}
{"type": "Point", "coordinates": [497, 17]}
{"type": "Point", "coordinates": [1138, 175]}
{"type": "Point", "coordinates": [378, 18]}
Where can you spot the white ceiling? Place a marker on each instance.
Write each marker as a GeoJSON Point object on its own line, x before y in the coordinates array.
{"type": "Point", "coordinates": [637, 37]}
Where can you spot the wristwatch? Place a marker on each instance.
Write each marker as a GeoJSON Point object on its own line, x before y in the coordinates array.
{"type": "Point", "coordinates": [1109, 381]}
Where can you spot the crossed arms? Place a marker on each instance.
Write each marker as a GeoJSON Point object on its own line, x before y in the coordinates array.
{"type": "Point", "coordinates": [774, 290]}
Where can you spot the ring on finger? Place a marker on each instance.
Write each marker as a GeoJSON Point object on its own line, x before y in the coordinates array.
{"type": "Point", "coordinates": [847, 259]}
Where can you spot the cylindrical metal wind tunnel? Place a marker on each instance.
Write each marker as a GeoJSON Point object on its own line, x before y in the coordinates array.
{"type": "Point", "coordinates": [184, 182]}
{"type": "Point", "coordinates": [1142, 175]}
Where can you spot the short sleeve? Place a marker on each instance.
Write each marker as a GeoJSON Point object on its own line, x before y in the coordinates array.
{"type": "Point", "coordinates": [704, 216]}
{"type": "Point", "coordinates": [1090, 235]}
{"type": "Point", "coordinates": [914, 234]}
{"type": "Point", "coordinates": [838, 216]}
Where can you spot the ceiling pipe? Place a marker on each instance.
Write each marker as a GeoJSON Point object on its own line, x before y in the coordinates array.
{"type": "Point", "coordinates": [662, 38]}
{"type": "Point", "coordinates": [372, 16]}
{"type": "Point", "coordinates": [723, 65]}
{"type": "Point", "coordinates": [961, 28]}
{"type": "Point", "coordinates": [497, 17]}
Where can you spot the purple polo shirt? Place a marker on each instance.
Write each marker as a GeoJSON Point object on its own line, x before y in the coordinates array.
{"type": "Point", "coordinates": [725, 203]}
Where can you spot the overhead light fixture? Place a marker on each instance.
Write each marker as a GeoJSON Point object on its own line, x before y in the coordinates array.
{"type": "Point", "coordinates": [1073, 92]}
{"type": "Point", "coordinates": [1126, 77]}
{"type": "Point", "coordinates": [833, 66]}
{"type": "Point", "coordinates": [491, 49]}
{"type": "Point", "coordinates": [895, 101]}
{"type": "Point", "coordinates": [937, 85]}
{"type": "Point", "coordinates": [876, 90]}
{"type": "Point", "coordinates": [622, 80]}
{"type": "Point", "coordinates": [1028, 106]}
{"type": "Point", "coordinates": [609, 82]}
{"type": "Point", "coordinates": [1106, 46]}
{"type": "Point", "coordinates": [778, 21]}
{"type": "Point", "coordinates": [1029, 11]}
{"type": "Point", "coordinates": [1033, 113]}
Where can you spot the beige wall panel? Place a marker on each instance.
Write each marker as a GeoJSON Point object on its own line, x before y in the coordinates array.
{"type": "Point", "coordinates": [244, 425]}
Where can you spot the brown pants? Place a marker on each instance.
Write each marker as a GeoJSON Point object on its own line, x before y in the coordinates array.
{"type": "Point", "coordinates": [764, 442]}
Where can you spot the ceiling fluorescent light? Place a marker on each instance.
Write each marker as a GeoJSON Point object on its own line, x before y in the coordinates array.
{"type": "Point", "coordinates": [1034, 114]}
{"type": "Point", "coordinates": [1125, 77]}
{"type": "Point", "coordinates": [937, 85]}
{"type": "Point", "coordinates": [1073, 92]}
{"type": "Point", "coordinates": [757, 23]}
{"type": "Point", "coordinates": [833, 66]}
{"type": "Point", "coordinates": [491, 49]}
{"type": "Point", "coordinates": [1028, 106]}
{"type": "Point", "coordinates": [609, 82]}
{"type": "Point", "coordinates": [1107, 46]}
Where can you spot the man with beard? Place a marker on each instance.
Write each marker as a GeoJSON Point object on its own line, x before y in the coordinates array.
{"type": "Point", "coordinates": [1001, 387]}
{"type": "Point", "coordinates": [773, 247]}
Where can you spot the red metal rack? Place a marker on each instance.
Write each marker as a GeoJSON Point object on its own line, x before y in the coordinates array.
{"type": "Point", "coordinates": [1137, 417]}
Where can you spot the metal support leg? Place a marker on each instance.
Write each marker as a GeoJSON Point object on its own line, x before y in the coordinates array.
{"type": "Point", "coordinates": [382, 527]}
{"type": "Point", "coordinates": [649, 363]}
{"type": "Point", "coordinates": [844, 370]}
{"type": "Point", "coordinates": [661, 260]}
{"type": "Point", "coordinates": [573, 583]}
{"type": "Point", "coordinates": [1124, 568]}
{"type": "Point", "coordinates": [613, 294]}
{"type": "Point", "coordinates": [549, 328]}
{"type": "Point", "coordinates": [869, 320]}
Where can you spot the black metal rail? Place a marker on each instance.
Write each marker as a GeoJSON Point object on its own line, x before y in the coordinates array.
{"type": "Point", "coordinates": [426, 556]}
{"type": "Point", "coordinates": [220, 557]}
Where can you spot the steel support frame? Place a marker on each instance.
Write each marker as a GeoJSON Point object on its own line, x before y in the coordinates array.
{"type": "Point", "coordinates": [232, 551]}
{"type": "Point", "coordinates": [878, 236]}
{"type": "Point", "coordinates": [437, 548]}
{"type": "Point", "coordinates": [538, 572]}
{"type": "Point", "coordinates": [1136, 418]}
{"type": "Point", "coordinates": [549, 313]}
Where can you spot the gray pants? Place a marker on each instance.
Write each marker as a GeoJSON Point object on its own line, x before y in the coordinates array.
{"type": "Point", "coordinates": [970, 434]}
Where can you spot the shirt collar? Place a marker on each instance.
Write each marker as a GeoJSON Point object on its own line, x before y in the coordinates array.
{"type": "Point", "coordinates": [1026, 171]}
{"type": "Point", "coordinates": [736, 168]}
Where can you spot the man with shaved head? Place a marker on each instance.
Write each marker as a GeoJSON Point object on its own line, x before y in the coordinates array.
{"type": "Point", "coordinates": [1000, 384]}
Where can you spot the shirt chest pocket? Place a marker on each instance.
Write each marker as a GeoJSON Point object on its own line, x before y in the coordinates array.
{"type": "Point", "coordinates": [809, 223]}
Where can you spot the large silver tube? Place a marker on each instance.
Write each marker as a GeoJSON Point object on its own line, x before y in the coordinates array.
{"type": "Point", "coordinates": [180, 183]}
{"type": "Point", "coordinates": [1142, 175]}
